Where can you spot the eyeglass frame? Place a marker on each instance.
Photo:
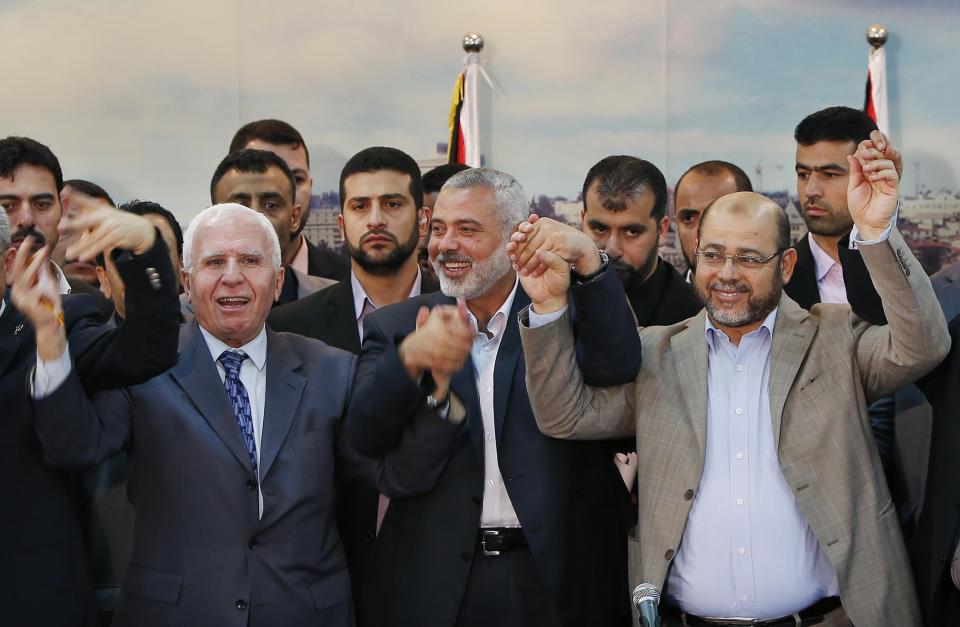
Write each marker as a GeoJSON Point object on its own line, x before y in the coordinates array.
{"type": "Point", "coordinates": [734, 259]}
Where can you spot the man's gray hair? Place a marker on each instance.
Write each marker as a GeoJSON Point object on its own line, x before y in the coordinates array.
{"type": "Point", "coordinates": [511, 202]}
{"type": "Point", "coordinates": [229, 212]}
{"type": "Point", "coordinates": [4, 232]}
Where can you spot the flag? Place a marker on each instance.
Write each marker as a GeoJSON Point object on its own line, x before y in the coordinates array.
{"type": "Point", "coordinates": [464, 123]}
{"type": "Point", "coordinates": [875, 101]}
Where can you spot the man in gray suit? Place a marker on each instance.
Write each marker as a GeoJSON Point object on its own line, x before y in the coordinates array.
{"type": "Point", "coordinates": [761, 494]}
{"type": "Point", "coordinates": [231, 451]}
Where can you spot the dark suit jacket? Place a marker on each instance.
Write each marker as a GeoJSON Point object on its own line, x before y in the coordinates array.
{"type": "Point", "coordinates": [939, 524]}
{"type": "Point", "coordinates": [44, 579]}
{"type": "Point", "coordinates": [201, 555]}
{"type": "Point", "coordinates": [322, 261]}
{"type": "Point", "coordinates": [104, 304]}
{"type": "Point", "coordinates": [862, 296]}
{"type": "Point", "coordinates": [329, 316]}
{"type": "Point", "coordinates": [568, 496]}
{"type": "Point", "coordinates": [664, 298]}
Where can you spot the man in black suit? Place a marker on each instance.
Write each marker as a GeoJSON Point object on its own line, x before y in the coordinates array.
{"type": "Point", "coordinates": [517, 531]}
{"type": "Point", "coordinates": [261, 180]}
{"type": "Point", "coordinates": [45, 580]}
{"type": "Point", "coordinates": [31, 183]}
{"type": "Point", "coordinates": [281, 138]}
{"type": "Point", "coordinates": [625, 214]}
{"type": "Point", "coordinates": [381, 219]}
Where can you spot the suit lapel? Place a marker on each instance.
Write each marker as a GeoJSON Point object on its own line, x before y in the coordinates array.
{"type": "Point", "coordinates": [13, 329]}
{"type": "Point", "coordinates": [196, 373]}
{"type": "Point", "coordinates": [792, 334]}
{"type": "Point", "coordinates": [342, 315]}
{"type": "Point", "coordinates": [507, 357]}
{"type": "Point", "coordinates": [690, 355]}
{"type": "Point", "coordinates": [803, 284]}
{"type": "Point", "coordinates": [284, 389]}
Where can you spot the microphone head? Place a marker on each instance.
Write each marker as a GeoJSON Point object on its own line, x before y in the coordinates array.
{"type": "Point", "coordinates": [646, 592]}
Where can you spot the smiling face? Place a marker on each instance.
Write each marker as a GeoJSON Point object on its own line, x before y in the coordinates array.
{"type": "Point", "coordinates": [232, 282]}
{"type": "Point", "coordinates": [822, 176]}
{"type": "Point", "coordinates": [738, 299]}
{"type": "Point", "coordinates": [467, 247]}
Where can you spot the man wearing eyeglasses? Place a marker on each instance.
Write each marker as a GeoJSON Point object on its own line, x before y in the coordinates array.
{"type": "Point", "coordinates": [761, 494]}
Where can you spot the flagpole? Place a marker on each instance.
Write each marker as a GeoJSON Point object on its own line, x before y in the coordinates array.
{"type": "Point", "coordinates": [470, 116]}
{"type": "Point", "coordinates": [876, 99]}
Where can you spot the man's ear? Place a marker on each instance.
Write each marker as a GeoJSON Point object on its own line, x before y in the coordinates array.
{"type": "Point", "coordinates": [104, 282]}
{"type": "Point", "coordinates": [424, 220]}
{"type": "Point", "coordinates": [7, 262]}
{"type": "Point", "coordinates": [296, 217]}
{"type": "Point", "coordinates": [279, 286]}
{"type": "Point", "coordinates": [185, 281]}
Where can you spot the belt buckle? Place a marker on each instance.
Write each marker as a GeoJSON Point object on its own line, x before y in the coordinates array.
{"type": "Point", "coordinates": [488, 533]}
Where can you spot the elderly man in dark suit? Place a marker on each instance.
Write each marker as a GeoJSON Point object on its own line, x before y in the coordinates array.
{"type": "Point", "coordinates": [520, 530]}
{"type": "Point", "coordinates": [231, 451]}
{"type": "Point", "coordinates": [44, 580]}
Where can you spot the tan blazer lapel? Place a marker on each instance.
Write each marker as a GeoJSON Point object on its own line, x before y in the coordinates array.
{"type": "Point", "coordinates": [793, 332]}
{"type": "Point", "coordinates": [689, 348]}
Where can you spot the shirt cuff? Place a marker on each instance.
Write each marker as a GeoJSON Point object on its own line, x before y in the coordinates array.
{"type": "Point", "coordinates": [50, 375]}
{"type": "Point", "coordinates": [855, 240]}
{"type": "Point", "coordinates": [540, 320]}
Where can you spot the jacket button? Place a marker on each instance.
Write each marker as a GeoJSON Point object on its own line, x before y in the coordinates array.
{"type": "Point", "coordinates": [465, 556]}
{"type": "Point", "coordinates": [688, 495]}
{"type": "Point", "coordinates": [253, 544]}
{"type": "Point", "coordinates": [251, 485]}
{"type": "Point", "coordinates": [668, 555]}
{"type": "Point", "coordinates": [369, 537]}
{"type": "Point", "coordinates": [240, 604]}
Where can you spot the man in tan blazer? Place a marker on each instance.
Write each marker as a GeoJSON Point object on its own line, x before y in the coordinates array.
{"type": "Point", "coordinates": [758, 497]}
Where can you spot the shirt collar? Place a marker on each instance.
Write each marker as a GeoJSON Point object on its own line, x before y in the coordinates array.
{"type": "Point", "coordinates": [498, 323]}
{"type": "Point", "coordinates": [301, 261]}
{"type": "Point", "coordinates": [711, 332]}
{"type": "Point", "coordinates": [63, 286]}
{"type": "Point", "coordinates": [360, 298]}
{"type": "Point", "coordinates": [822, 262]}
{"type": "Point", "coordinates": [256, 349]}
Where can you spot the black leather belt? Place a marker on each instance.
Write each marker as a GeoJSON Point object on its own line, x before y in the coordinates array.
{"type": "Point", "coordinates": [494, 541]}
{"type": "Point", "coordinates": [812, 615]}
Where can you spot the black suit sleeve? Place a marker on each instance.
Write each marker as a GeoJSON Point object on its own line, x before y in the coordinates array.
{"type": "Point", "coordinates": [145, 343]}
{"type": "Point", "coordinates": [608, 345]}
{"type": "Point", "coordinates": [384, 396]}
{"type": "Point", "coordinates": [76, 431]}
{"type": "Point", "coordinates": [413, 466]}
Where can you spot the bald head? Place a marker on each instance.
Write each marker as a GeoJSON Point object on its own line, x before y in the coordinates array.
{"type": "Point", "coordinates": [753, 212]}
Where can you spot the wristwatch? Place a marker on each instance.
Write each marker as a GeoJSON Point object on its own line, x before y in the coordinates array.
{"type": "Point", "coordinates": [441, 406]}
{"type": "Point", "coordinates": [578, 278]}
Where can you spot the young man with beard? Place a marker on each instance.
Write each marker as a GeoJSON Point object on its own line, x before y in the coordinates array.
{"type": "Point", "coordinates": [762, 498]}
{"type": "Point", "coordinates": [382, 218]}
{"type": "Point", "coordinates": [625, 214]}
{"type": "Point", "coordinates": [520, 530]}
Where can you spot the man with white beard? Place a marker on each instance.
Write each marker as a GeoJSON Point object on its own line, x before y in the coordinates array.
{"type": "Point", "coordinates": [519, 530]}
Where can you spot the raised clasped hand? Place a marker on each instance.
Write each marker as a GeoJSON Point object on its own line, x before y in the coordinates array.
{"type": "Point", "coordinates": [874, 184]}
{"type": "Point", "coordinates": [101, 228]}
{"type": "Point", "coordinates": [440, 344]}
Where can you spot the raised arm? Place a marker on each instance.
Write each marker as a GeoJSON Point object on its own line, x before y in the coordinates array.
{"type": "Point", "coordinates": [915, 338]}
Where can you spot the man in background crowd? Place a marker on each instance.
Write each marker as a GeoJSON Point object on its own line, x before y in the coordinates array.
{"type": "Point", "coordinates": [286, 142]}
{"type": "Point", "coordinates": [696, 188]}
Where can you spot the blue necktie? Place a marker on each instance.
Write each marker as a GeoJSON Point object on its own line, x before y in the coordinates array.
{"type": "Point", "coordinates": [237, 393]}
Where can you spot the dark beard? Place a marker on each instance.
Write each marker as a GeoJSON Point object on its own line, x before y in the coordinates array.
{"type": "Point", "coordinates": [394, 259]}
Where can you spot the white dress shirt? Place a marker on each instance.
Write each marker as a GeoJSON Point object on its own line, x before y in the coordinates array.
{"type": "Point", "coordinates": [63, 286]}
{"type": "Point", "coordinates": [829, 274]}
{"type": "Point", "coordinates": [497, 509]}
{"type": "Point", "coordinates": [363, 305]}
{"type": "Point", "coordinates": [253, 375]}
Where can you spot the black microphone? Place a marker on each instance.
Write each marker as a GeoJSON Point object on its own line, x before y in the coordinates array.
{"type": "Point", "coordinates": [646, 598]}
